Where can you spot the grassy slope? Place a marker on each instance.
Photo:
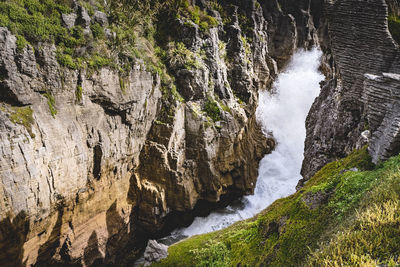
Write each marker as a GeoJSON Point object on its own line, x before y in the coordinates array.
{"type": "Point", "coordinates": [354, 220]}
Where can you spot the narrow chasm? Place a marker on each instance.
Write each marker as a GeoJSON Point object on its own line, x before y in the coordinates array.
{"type": "Point", "coordinates": [282, 112]}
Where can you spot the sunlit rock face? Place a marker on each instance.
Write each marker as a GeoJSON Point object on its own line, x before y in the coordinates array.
{"type": "Point", "coordinates": [106, 161]}
{"type": "Point", "coordinates": [362, 62]}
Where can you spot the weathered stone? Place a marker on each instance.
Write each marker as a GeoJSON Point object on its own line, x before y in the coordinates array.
{"type": "Point", "coordinates": [154, 252]}
{"type": "Point", "coordinates": [83, 17]}
{"type": "Point", "coordinates": [358, 95]}
{"type": "Point", "coordinates": [101, 18]}
{"type": "Point", "coordinates": [69, 20]}
{"type": "Point", "coordinates": [119, 163]}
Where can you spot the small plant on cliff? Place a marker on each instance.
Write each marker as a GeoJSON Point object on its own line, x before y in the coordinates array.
{"type": "Point", "coordinates": [212, 109]}
{"type": "Point", "coordinates": [247, 48]}
{"type": "Point", "coordinates": [51, 102]}
{"type": "Point", "coordinates": [21, 43]}
{"type": "Point", "coordinates": [66, 60]}
{"type": "Point", "coordinates": [23, 116]}
{"type": "Point", "coordinates": [195, 14]}
{"type": "Point", "coordinates": [78, 93]}
{"type": "Point", "coordinates": [179, 56]}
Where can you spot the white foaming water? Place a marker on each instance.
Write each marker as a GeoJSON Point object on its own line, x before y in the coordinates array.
{"type": "Point", "coordinates": [282, 114]}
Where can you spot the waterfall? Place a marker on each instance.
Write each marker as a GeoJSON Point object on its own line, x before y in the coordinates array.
{"type": "Point", "coordinates": [282, 115]}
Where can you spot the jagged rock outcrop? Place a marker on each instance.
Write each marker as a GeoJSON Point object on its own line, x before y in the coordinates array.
{"type": "Point", "coordinates": [69, 173]}
{"type": "Point", "coordinates": [154, 252]}
{"type": "Point", "coordinates": [363, 64]}
{"type": "Point", "coordinates": [93, 163]}
{"type": "Point", "coordinates": [184, 159]}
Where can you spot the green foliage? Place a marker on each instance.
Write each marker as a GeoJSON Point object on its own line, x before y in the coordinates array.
{"type": "Point", "coordinates": [394, 27]}
{"type": "Point", "coordinates": [196, 15]}
{"type": "Point", "coordinates": [373, 237]}
{"type": "Point", "coordinates": [52, 103]}
{"type": "Point", "coordinates": [246, 45]}
{"type": "Point", "coordinates": [178, 56]}
{"type": "Point", "coordinates": [97, 31]}
{"type": "Point", "coordinates": [35, 20]}
{"type": "Point", "coordinates": [66, 60]}
{"type": "Point", "coordinates": [212, 109]}
{"type": "Point", "coordinates": [122, 84]}
{"type": "Point", "coordinates": [356, 224]}
{"type": "Point", "coordinates": [212, 254]}
{"type": "Point", "coordinates": [23, 116]}
{"type": "Point", "coordinates": [226, 18]}
{"type": "Point", "coordinates": [21, 43]}
{"type": "Point", "coordinates": [97, 62]}
{"type": "Point", "coordinates": [222, 50]}
{"type": "Point", "coordinates": [78, 93]}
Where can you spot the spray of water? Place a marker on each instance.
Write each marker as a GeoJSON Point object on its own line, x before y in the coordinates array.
{"type": "Point", "coordinates": [282, 114]}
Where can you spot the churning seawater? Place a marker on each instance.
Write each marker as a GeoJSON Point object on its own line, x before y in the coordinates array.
{"type": "Point", "coordinates": [282, 115]}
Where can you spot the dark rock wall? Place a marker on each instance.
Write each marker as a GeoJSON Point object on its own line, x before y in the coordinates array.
{"type": "Point", "coordinates": [362, 63]}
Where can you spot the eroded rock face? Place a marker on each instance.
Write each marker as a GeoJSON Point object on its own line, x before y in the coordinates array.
{"type": "Point", "coordinates": [154, 252]}
{"type": "Point", "coordinates": [363, 64]}
{"type": "Point", "coordinates": [69, 179]}
{"type": "Point", "coordinates": [185, 160]}
{"type": "Point", "coordinates": [104, 162]}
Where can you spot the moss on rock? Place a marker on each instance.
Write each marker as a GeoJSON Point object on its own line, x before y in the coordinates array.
{"type": "Point", "coordinates": [290, 232]}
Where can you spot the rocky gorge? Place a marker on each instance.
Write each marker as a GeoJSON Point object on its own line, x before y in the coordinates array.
{"type": "Point", "coordinates": [103, 148]}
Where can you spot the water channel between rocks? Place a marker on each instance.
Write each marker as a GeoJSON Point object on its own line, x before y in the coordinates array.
{"type": "Point", "coordinates": [282, 114]}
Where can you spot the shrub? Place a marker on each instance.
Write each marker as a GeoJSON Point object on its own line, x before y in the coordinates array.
{"type": "Point", "coordinates": [98, 62]}
{"type": "Point", "coordinates": [21, 43]}
{"type": "Point", "coordinates": [179, 56]}
{"type": "Point", "coordinates": [97, 31]}
{"type": "Point", "coordinates": [212, 109]}
{"type": "Point", "coordinates": [66, 60]}
{"type": "Point", "coordinates": [195, 14]}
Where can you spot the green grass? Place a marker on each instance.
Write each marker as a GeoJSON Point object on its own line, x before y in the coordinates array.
{"type": "Point", "coordinates": [394, 27]}
{"type": "Point", "coordinates": [356, 222]}
{"type": "Point", "coordinates": [23, 116]}
{"type": "Point", "coordinates": [52, 103]}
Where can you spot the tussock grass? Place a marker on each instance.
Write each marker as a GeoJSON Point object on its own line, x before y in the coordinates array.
{"type": "Point", "coordinates": [356, 222]}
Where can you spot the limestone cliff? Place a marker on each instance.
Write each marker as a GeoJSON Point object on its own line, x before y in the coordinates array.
{"type": "Point", "coordinates": [97, 157]}
{"type": "Point", "coordinates": [362, 62]}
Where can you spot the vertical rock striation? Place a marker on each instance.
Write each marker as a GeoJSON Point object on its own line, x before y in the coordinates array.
{"type": "Point", "coordinates": [93, 163]}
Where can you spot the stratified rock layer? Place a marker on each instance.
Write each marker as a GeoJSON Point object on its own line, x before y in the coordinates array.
{"type": "Point", "coordinates": [92, 164]}
{"type": "Point", "coordinates": [363, 64]}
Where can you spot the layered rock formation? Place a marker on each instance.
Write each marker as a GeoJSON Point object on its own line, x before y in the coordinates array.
{"type": "Point", "coordinates": [93, 163]}
{"type": "Point", "coordinates": [363, 64]}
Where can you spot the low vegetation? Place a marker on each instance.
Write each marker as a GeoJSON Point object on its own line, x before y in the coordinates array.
{"type": "Point", "coordinates": [346, 215]}
{"type": "Point", "coordinates": [24, 117]}
{"type": "Point", "coordinates": [394, 27]}
{"type": "Point", "coordinates": [51, 102]}
{"type": "Point", "coordinates": [212, 109]}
